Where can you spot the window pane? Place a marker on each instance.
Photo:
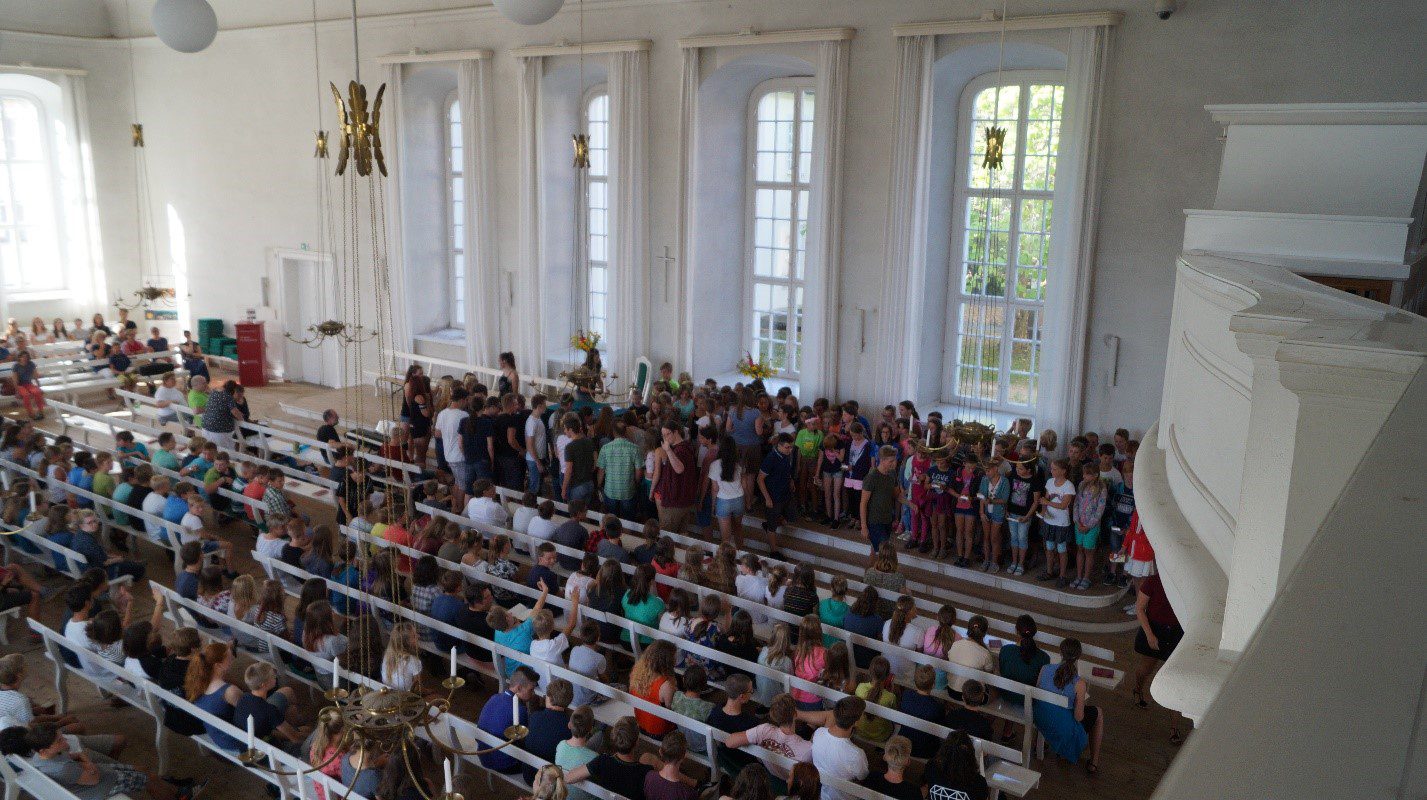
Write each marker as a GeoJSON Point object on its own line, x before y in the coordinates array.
{"type": "Point", "coordinates": [781, 133]}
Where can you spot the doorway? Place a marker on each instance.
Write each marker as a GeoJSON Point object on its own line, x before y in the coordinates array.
{"type": "Point", "coordinates": [303, 279]}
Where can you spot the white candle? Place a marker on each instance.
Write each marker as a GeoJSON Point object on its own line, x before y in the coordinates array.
{"type": "Point", "coordinates": [447, 765]}
{"type": "Point", "coordinates": [336, 678]}
{"type": "Point", "coordinates": [250, 732]}
{"type": "Point", "coordinates": [514, 708]}
{"type": "Point", "coordinates": [453, 663]}
{"type": "Point", "coordinates": [301, 788]}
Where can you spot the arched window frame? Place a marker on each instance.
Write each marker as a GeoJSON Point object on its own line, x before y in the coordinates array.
{"type": "Point", "coordinates": [11, 230]}
{"type": "Point", "coordinates": [760, 340]}
{"type": "Point", "coordinates": [594, 204]}
{"type": "Point", "coordinates": [961, 331]}
{"type": "Point", "coordinates": [455, 214]}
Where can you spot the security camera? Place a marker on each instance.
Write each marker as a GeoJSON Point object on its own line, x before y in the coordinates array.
{"type": "Point", "coordinates": [1164, 9]}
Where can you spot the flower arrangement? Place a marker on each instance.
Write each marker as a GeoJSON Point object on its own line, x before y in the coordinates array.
{"type": "Point", "coordinates": [749, 368]}
{"type": "Point", "coordinates": [585, 342]}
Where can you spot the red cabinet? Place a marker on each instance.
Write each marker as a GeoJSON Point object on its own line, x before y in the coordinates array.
{"type": "Point", "coordinates": [252, 354]}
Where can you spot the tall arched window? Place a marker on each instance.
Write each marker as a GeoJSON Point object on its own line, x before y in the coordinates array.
{"type": "Point", "coordinates": [781, 133]}
{"type": "Point", "coordinates": [596, 213]}
{"type": "Point", "coordinates": [30, 256]}
{"type": "Point", "coordinates": [999, 292]}
{"type": "Point", "coordinates": [456, 220]}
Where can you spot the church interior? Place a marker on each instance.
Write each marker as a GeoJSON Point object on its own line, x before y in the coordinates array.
{"type": "Point", "coordinates": [712, 399]}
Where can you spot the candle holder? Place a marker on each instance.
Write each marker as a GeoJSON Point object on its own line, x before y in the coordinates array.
{"type": "Point", "coordinates": [453, 683]}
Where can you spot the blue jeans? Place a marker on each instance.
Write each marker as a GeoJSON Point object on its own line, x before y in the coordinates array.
{"type": "Point", "coordinates": [878, 534]}
{"type": "Point", "coordinates": [581, 491]}
{"type": "Point", "coordinates": [534, 475]}
{"type": "Point", "coordinates": [624, 509]}
{"type": "Point", "coordinates": [1020, 533]}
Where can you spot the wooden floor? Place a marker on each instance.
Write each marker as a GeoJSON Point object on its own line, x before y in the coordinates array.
{"type": "Point", "coordinates": [1136, 752]}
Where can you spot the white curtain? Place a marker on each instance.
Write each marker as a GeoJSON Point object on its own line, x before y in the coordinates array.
{"type": "Point", "coordinates": [1072, 245]}
{"type": "Point", "coordinates": [629, 188]}
{"type": "Point", "coordinates": [81, 212]}
{"type": "Point", "coordinates": [688, 130]}
{"type": "Point", "coordinates": [522, 291]}
{"type": "Point", "coordinates": [905, 268]}
{"type": "Point", "coordinates": [821, 299]}
{"type": "Point", "coordinates": [393, 142]}
{"type": "Point", "coordinates": [473, 92]}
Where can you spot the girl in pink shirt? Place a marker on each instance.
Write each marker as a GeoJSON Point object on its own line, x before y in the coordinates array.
{"type": "Point", "coordinates": [809, 659]}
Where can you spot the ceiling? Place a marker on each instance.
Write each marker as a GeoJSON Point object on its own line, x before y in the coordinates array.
{"type": "Point", "coordinates": [105, 18]}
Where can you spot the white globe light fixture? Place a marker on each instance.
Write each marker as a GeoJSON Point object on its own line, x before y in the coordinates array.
{"type": "Point", "coordinates": [528, 12]}
{"type": "Point", "coordinates": [187, 26]}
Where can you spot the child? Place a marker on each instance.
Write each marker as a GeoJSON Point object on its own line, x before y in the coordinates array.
{"type": "Point", "coordinates": [586, 659]}
{"type": "Point", "coordinates": [993, 494]}
{"type": "Point", "coordinates": [266, 706]}
{"type": "Point", "coordinates": [939, 479]}
{"type": "Point", "coordinates": [750, 583]}
{"type": "Point", "coordinates": [690, 701]}
{"type": "Point", "coordinates": [874, 691]}
{"type": "Point", "coordinates": [809, 442]}
{"type": "Point", "coordinates": [705, 630]}
{"type": "Point", "coordinates": [1055, 512]}
{"type": "Point", "coordinates": [579, 582]}
{"type": "Point", "coordinates": [548, 646]}
{"type": "Point", "coordinates": [964, 510]}
{"type": "Point", "coordinates": [401, 664]}
{"type": "Point", "coordinates": [1122, 508]}
{"type": "Point", "coordinates": [1090, 501]}
{"type": "Point", "coordinates": [778, 655]}
{"type": "Point", "coordinates": [830, 476]}
{"type": "Point", "coordinates": [917, 467]}
{"type": "Point", "coordinates": [922, 704]}
{"type": "Point", "coordinates": [513, 634]}
{"type": "Point", "coordinates": [1023, 498]}
{"type": "Point", "coordinates": [776, 586]}
{"type": "Point", "coordinates": [938, 641]}
{"type": "Point", "coordinates": [832, 610]}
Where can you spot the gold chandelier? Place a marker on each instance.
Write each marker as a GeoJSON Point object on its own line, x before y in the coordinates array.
{"type": "Point", "coordinates": [386, 721]}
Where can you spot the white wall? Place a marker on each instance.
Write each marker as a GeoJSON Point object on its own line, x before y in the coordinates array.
{"type": "Point", "coordinates": [230, 137]}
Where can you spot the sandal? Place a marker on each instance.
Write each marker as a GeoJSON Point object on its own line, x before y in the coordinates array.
{"type": "Point", "coordinates": [1140, 701]}
{"type": "Point", "coordinates": [1092, 768]}
{"type": "Point", "coordinates": [1175, 737]}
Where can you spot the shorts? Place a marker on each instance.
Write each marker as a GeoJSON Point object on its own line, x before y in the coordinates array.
{"type": "Point", "coordinates": [940, 503]}
{"type": "Point", "coordinates": [780, 512]}
{"type": "Point", "coordinates": [1117, 539]}
{"type": "Point", "coordinates": [1020, 533]}
{"type": "Point", "coordinates": [675, 518]}
{"type": "Point", "coordinates": [969, 511]}
{"type": "Point", "coordinates": [1058, 538]}
{"type": "Point", "coordinates": [1168, 636]}
{"type": "Point", "coordinates": [751, 457]}
{"type": "Point", "coordinates": [731, 507]}
{"type": "Point", "coordinates": [1088, 539]}
{"type": "Point", "coordinates": [996, 514]}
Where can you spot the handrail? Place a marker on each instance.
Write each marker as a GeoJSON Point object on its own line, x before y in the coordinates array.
{"type": "Point", "coordinates": [55, 641]}
{"type": "Point", "coordinates": [575, 678]}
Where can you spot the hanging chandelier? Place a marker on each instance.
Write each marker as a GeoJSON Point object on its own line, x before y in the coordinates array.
{"type": "Point", "coordinates": [580, 140]}
{"type": "Point", "coordinates": [334, 330]}
{"type": "Point", "coordinates": [148, 294]}
{"type": "Point", "coordinates": [389, 722]}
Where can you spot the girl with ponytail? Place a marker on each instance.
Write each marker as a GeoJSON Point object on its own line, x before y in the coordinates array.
{"type": "Point", "coordinates": [1069, 730]}
{"type": "Point", "coordinates": [1022, 661]}
{"type": "Point", "coordinates": [206, 687]}
{"type": "Point", "coordinates": [902, 631]}
{"type": "Point", "coordinates": [938, 640]}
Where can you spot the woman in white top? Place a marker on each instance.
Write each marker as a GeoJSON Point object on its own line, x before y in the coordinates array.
{"type": "Point", "coordinates": [677, 619]}
{"type": "Point", "coordinates": [970, 651]}
{"type": "Point", "coordinates": [726, 484]}
{"type": "Point", "coordinates": [902, 630]}
{"type": "Point", "coordinates": [169, 399]}
{"type": "Point", "coordinates": [401, 664]}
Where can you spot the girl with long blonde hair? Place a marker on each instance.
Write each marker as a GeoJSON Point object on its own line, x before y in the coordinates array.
{"type": "Point", "coordinates": [401, 664]}
{"type": "Point", "coordinates": [653, 679]}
